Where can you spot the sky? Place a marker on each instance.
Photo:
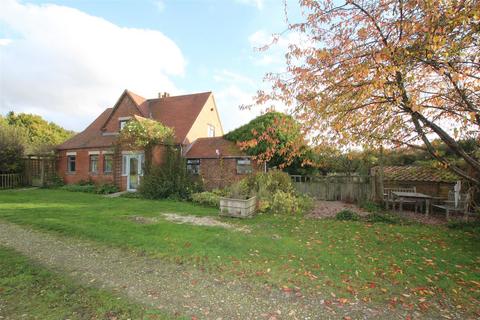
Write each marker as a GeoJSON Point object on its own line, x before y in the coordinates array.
{"type": "Point", "coordinates": [69, 60]}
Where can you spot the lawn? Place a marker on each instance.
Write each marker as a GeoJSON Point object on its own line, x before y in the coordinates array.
{"type": "Point", "coordinates": [423, 268]}
{"type": "Point", "coordinates": [29, 291]}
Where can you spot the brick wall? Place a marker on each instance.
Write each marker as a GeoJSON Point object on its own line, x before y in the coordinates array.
{"type": "Point", "coordinates": [215, 173]}
{"type": "Point", "coordinates": [82, 164]}
{"type": "Point", "coordinates": [220, 173]}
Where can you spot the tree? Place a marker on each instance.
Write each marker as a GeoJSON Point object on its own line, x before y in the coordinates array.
{"type": "Point", "coordinates": [41, 136]}
{"type": "Point", "coordinates": [11, 148]}
{"type": "Point", "coordinates": [274, 138]}
{"type": "Point", "coordinates": [393, 72]}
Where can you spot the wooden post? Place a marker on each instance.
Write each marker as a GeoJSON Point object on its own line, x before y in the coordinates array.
{"type": "Point", "coordinates": [381, 176]}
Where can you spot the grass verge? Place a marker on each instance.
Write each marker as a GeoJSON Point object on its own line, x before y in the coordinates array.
{"type": "Point", "coordinates": [29, 291]}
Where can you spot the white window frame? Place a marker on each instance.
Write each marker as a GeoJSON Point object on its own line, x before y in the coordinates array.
{"type": "Point", "coordinates": [90, 158]}
{"type": "Point", "coordinates": [104, 162]}
{"type": "Point", "coordinates": [70, 156]}
{"type": "Point", "coordinates": [210, 131]}
{"type": "Point", "coordinates": [243, 163]}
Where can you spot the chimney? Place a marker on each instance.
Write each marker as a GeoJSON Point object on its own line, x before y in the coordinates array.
{"type": "Point", "coordinates": [163, 95]}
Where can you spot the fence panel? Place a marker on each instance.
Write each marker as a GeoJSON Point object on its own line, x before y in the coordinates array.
{"type": "Point", "coordinates": [11, 180]}
{"type": "Point", "coordinates": [335, 188]}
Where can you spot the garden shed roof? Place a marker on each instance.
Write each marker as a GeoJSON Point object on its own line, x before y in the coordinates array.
{"type": "Point", "coordinates": [417, 173]}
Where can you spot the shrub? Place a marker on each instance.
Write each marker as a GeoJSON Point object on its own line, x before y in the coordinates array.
{"type": "Point", "coordinates": [285, 203]}
{"type": "Point", "coordinates": [54, 181]}
{"type": "Point", "coordinates": [89, 188]}
{"type": "Point", "coordinates": [274, 191]}
{"type": "Point", "coordinates": [347, 215]}
{"type": "Point", "coordinates": [265, 184]}
{"type": "Point", "coordinates": [11, 149]}
{"type": "Point", "coordinates": [106, 188]}
{"type": "Point", "coordinates": [306, 203]}
{"type": "Point", "coordinates": [206, 198]}
{"type": "Point", "coordinates": [103, 188]}
{"type": "Point", "coordinates": [240, 190]}
{"type": "Point", "coordinates": [169, 180]}
{"type": "Point", "coordinates": [370, 206]}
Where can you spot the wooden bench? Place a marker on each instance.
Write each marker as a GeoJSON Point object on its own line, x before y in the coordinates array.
{"type": "Point", "coordinates": [449, 205]}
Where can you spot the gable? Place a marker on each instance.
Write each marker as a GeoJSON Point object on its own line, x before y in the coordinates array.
{"type": "Point", "coordinates": [126, 107]}
{"type": "Point", "coordinates": [178, 112]}
{"type": "Point", "coordinates": [208, 116]}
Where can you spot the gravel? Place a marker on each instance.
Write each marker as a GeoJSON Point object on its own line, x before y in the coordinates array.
{"type": "Point", "coordinates": [175, 289]}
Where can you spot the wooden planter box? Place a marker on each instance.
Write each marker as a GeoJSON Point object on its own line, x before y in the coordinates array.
{"type": "Point", "coordinates": [238, 208]}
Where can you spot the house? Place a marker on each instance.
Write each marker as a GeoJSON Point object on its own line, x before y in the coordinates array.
{"type": "Point", "coordinates": [435, 182]}
{"type": "Point", "coordinates": [91, 154]}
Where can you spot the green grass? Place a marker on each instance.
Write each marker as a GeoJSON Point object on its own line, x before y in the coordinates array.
{"type": "Point", "coordinates": [29, 291]}
{"type": "Point", "coordinates": [408, 266]}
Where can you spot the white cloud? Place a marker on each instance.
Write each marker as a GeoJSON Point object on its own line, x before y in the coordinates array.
{"type": "Point", "coordinates": [160, 5]}
{"type": "Point", "coordinates": [68, 65]}
{"type": "Point", "coordinates": [256, 3]}
{"type": "Point", "coordinates": [226, 76]}
{"type": "Point", "coordinates": [4, 42]}
{"type": "Point", "coordinates": [278, 45]}
{"type": "Point", "coordinates": [229, 99]}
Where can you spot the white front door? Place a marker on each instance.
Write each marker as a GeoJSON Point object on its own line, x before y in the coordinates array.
{"type": "Point", "coordinates": [133, 165]}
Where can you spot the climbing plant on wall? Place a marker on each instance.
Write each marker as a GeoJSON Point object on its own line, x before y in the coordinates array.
{"type": "Point", "coordinates": [143, 133]}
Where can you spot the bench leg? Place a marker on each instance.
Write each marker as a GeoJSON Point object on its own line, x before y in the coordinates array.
{"type": "Point", "coordinates": [401, 206]}
{"type": "Point", "coordinates": [427, 207]}
{"type": "Point", "coordinates": [448, 215]}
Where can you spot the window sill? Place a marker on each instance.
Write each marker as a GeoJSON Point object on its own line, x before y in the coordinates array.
{"type": "Point", "coordinates": [70, 173]}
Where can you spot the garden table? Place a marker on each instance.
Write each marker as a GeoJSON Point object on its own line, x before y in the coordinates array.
{"type": "Point", "coordinates": [416, 196]}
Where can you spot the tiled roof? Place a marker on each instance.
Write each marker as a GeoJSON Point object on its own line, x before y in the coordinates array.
{"type": "Point", "coordinates": [206, 148]}
{"type": "Point", "coordinates": [177, 112]}
{"type": "Point", "coordinates": [417, 173]}
{"type": "Point", "coordinates": [91, 137]}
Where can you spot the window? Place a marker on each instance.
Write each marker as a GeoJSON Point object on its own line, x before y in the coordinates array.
{"type": "Point", "coordinates": [193, 166]}
{"type": "Point", "coordinates": [94, 163]}
{"type": "Point", "coordinates": [107, 163]}
{"type": "Point", "coordinates": [71, 164]}
{"type": "Point", "coordinates": [244, 166]}
{"type": "Point", "coordinates": [122, 123]}
{"type": "Point", "coordinates": [211, 131]}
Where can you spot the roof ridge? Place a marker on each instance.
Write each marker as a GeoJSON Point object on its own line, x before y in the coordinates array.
{"type": "Point", "coordinates": [181, 95]}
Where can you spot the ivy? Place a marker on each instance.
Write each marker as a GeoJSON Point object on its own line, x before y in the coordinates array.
{"type": "Point", "coordinates": [144, 133]}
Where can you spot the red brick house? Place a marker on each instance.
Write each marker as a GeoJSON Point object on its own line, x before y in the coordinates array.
{"type": "Point", "coordinates": [90, 155]}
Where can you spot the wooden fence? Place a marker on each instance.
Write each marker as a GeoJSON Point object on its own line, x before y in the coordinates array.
{"type": "Point", "coordinates": [11, 180]}
{"type": "Point", "coordinates": [338, 187]}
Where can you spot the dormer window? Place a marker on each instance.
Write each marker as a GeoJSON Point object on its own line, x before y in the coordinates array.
{"type": "Point", "coordinates": [122, 124]}
{"type": "Point", "coordinates": [211, 131]}
{"type": "Point", "coordinates": [122, 121]}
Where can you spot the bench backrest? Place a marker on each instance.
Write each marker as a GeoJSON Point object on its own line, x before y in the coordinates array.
{"type": "Point", "coordinates": [387, 192]}
{"type": "Point", "coordinates": [463, 201]}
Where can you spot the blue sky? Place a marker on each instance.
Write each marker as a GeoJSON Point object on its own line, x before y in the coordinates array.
{"type": "Point", "coordinates": [74, 58]}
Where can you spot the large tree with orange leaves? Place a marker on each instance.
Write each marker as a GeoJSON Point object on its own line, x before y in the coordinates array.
{"type": "Point", "coordinates": [386, 72]}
